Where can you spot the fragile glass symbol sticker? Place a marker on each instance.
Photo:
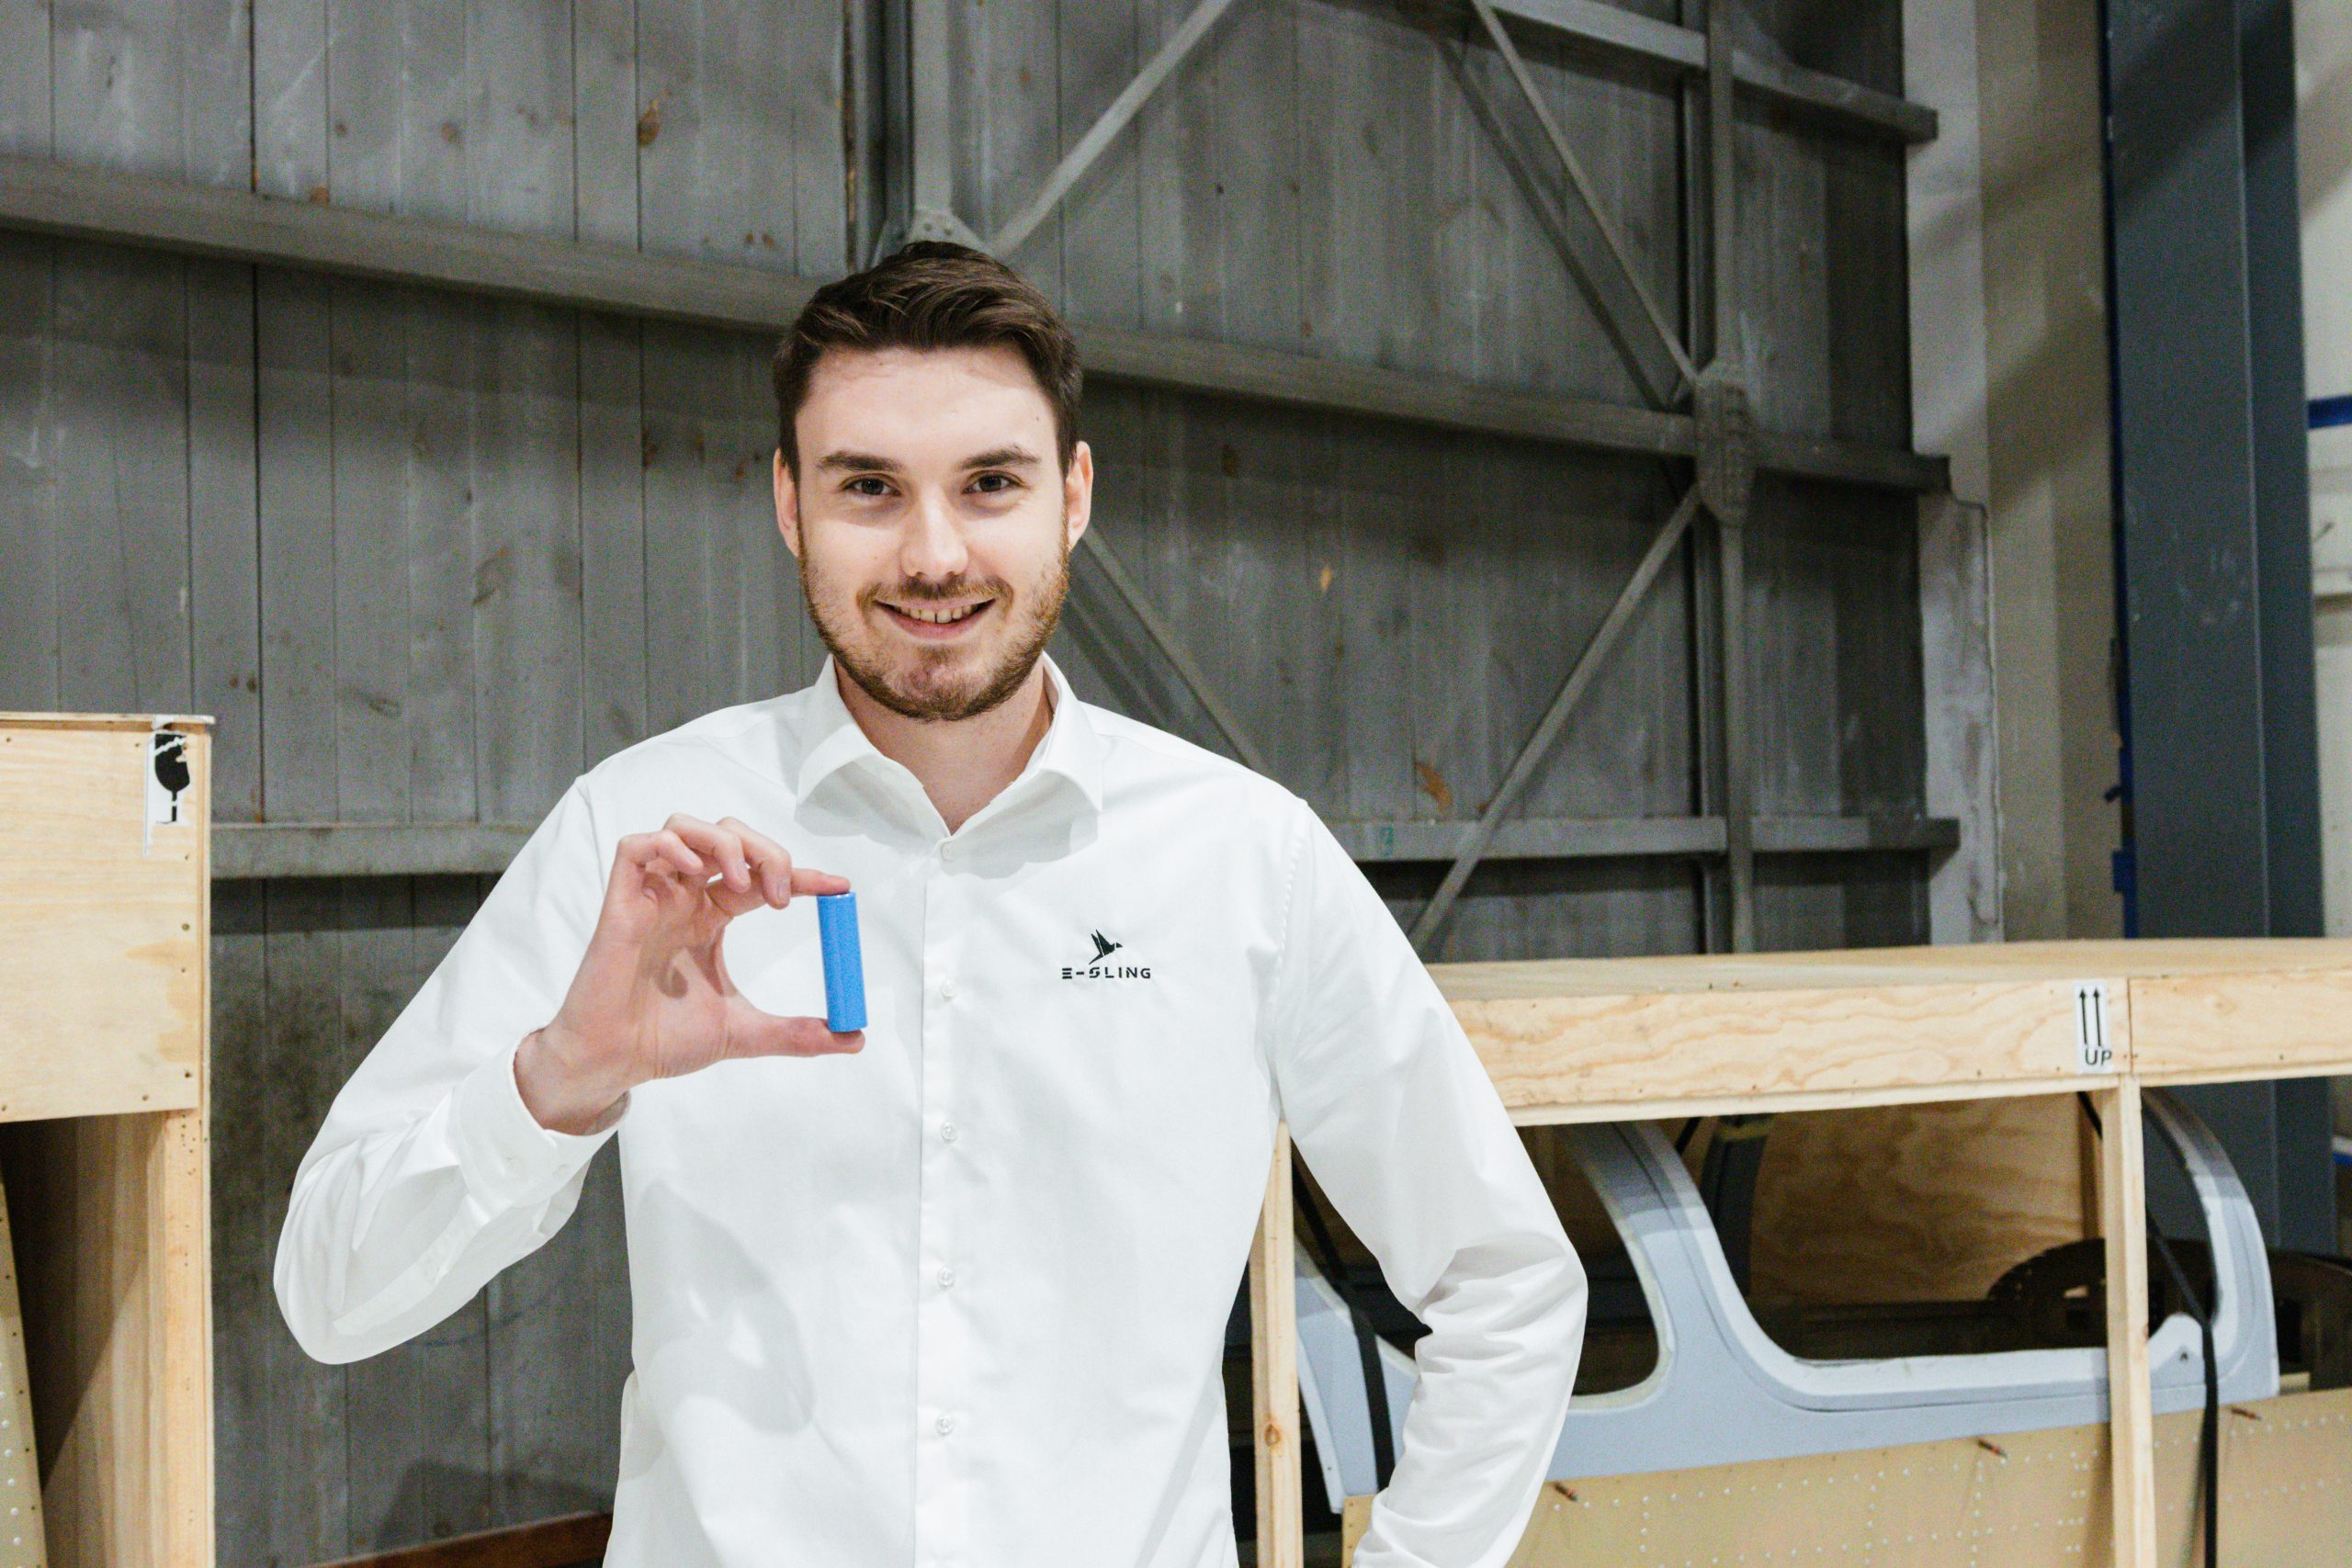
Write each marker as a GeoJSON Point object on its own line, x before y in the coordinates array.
{"type": "Point", "coordinates": [167, 778]}
{"type": "Point", "coordinates": [2094, 1046]}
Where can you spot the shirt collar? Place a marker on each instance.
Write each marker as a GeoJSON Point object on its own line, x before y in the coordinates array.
{"type": "Point", "coordinates": [831, 738]}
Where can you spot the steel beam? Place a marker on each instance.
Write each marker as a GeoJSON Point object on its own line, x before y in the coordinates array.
{"type": "Point", "coordinates": [251, 852]}
{"type": "Point", "coordinates": [1172, 648]}
{"type": "Point", "coordinates": [2222, 837]}
{"type": "Point", "coordinates": [1621, 34]}
{"type": "Point", "coordinates": [1302, 381]}
{"type": "Point", "coordinates": [1605, 28]}
{"type": "Point", "coordinates": [1113, 119]}
{"type": "Point", "coordinates": [931, 131]}
{"type": "Point", "coordinates": [1578, 243]}
{"type": "Point", "coordinates": [1731, 521]}
{"type": "Point", "coordinates": [1709, 883]}
{"type": "Point", "coordinates": [1667, 338]}
{"type": "Point", "coordinates": [42, 196]}
{"type": "Point", "coordinates": [1664, 544]}
{"type": "Point", "coordinates": [2215, 548]}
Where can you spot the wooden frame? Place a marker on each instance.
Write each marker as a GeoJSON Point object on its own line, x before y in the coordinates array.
{"type": "Point", "coordinates": [1622, 1039]}
{"type": "Point", "coordinates": [105, 928]}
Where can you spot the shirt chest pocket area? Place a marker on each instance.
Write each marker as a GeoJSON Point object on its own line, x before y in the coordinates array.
{"type": "Point", "coordinates": [1159, 1012]}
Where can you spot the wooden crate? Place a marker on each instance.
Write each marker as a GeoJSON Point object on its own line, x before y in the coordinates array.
{"type": "Point", "coordinates": [105, 925]}
{"type": "Point", "coordinates": [1628, 1039]}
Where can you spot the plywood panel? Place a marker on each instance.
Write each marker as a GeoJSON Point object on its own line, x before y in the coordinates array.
{"type": "Point", "coordinates": [2026, 1500]}
{"type": "Point", "coordinates": [99, 938]}
{"type": "Point", "coordinates": [24, 1540]}
{"type": "Point", "coordinates": [112, 1240]}
{"type": "Point", "coordinates": [1914, 1202]}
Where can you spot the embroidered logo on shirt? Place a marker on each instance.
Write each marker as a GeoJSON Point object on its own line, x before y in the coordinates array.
{"type": "Point", "coordinates": [1096, 969]}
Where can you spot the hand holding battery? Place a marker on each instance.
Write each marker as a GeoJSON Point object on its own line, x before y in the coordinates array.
{"type": "Point", "coordinates": [651, 998]}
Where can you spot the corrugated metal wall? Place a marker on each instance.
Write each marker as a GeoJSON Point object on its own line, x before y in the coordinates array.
{"type": "Point", "coordinates": [426, 556]}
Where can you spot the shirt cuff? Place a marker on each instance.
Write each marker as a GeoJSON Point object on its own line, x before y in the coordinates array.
{"type": "Point", "coordinates": [508, 1159]}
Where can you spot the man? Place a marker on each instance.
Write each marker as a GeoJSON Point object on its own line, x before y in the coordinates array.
{"type": "Point", "coordinates": [952, 1290]}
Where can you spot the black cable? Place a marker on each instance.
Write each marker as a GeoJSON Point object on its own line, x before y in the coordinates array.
{"type": "Point", "coordinates": [1326, 1257]}
{"type": "Point", "coordinates": [2208, 1441]}
{"type": "Point", "coordinates": [2209, 1437]}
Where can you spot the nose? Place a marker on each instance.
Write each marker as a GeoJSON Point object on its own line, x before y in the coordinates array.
{"type": "Point", "coordinates": [932, 550]}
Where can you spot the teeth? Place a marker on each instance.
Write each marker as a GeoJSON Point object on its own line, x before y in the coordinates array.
{"type": "Point", "coordinates": [937, 618]}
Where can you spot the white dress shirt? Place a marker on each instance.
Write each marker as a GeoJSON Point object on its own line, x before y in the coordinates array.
{"type": "Point", "coordinates": [960, 1297]}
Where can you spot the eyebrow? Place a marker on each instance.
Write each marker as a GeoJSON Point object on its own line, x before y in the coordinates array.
{"type": "Point", "coordinates": [1013, 456]}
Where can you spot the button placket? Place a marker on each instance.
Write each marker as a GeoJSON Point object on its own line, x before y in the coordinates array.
{"type": "Point", "coordinates": [942, 1362]}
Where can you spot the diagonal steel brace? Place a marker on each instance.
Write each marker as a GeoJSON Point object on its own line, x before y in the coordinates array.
{"type": "Point", "coordinates": [1667, 335]}
{"type": "Point", "coordinates": [1090, 147]}
{"type": "Point", "coordinates": [1172, 648]}
{"type": "Point", "coordinates": [1556, 718]}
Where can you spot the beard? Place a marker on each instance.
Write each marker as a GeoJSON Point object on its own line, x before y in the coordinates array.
{"type": "Point", "coordinates": [941, 684]}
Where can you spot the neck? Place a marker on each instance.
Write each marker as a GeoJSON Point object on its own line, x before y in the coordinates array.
{"type": "Point", "coordinates": [962, 763]}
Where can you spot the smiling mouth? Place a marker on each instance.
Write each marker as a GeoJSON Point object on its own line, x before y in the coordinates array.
{"type": "Point", "coordinates": [936, 620]}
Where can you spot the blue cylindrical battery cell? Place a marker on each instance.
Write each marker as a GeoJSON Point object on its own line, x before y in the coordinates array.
{"type": "Point", "coordinates": [844, 967]}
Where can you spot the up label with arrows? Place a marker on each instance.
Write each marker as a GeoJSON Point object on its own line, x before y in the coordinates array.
{"type": "Point", "coordinates": [2094, 1043]}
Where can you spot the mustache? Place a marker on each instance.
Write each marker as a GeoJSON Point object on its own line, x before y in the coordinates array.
{"type": "Point", "coordinates": [940, 593]}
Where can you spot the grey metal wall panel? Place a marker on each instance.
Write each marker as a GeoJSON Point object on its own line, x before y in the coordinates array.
{"type": "Point", "coordinates": [2213, 498]}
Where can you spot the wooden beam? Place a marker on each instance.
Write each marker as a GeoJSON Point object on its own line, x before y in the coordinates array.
{"type": "Point", "coordinates": [1273, 1370]}
{"type": "Point", "coordinates": [1584, 1057]}
{"type": "Point", "coordinates": [2204, 1027]}
{"type": "Point", "coordinates": [2123, 1204]}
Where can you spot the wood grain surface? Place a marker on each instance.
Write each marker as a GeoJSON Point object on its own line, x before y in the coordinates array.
{"type": "Point", "coordinates": [100, 936]}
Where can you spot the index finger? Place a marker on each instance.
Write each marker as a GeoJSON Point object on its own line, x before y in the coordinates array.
{"type": "Point", "coordinates": [816, 883]}
{"type": "Point", "coordinates": [773, 865]}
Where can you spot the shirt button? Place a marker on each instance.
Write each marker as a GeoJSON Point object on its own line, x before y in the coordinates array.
{"type": "Point", "coordinates": [946, 1276]}
{"type": "Point", "coordinates": [946, 849]}
{"type": "Point", "coordinates": [947, 1130]}
{"type": "Point", "coordinates": [947, 990]}
{"type": "Point", "coordinates": [946, 1425]}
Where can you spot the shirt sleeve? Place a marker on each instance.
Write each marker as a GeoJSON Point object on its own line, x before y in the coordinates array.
{"type": "Point", "coordinates": [1394, 1113]}
{"type": "Point", "coordinates": [430, 1174]}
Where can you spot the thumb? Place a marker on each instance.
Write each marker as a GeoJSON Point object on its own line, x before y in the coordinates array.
{"type": "Point", "coordinates": [753, 1033]}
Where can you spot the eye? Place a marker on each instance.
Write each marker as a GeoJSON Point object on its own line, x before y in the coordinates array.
{"type": "Point", "coordinates": [859, 485]}
{"type": "Point", "coordinates": [983, 482]}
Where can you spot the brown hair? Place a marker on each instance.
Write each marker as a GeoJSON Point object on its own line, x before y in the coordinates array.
{"type": "Point", "coordinates": [929, 293]}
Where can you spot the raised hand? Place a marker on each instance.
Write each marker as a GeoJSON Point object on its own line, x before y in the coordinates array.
{"type": "Point", "coordinates": [651, 998]}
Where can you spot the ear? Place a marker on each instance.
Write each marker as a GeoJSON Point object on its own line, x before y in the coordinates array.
{"type": "Point", "coordinates": [787, 505]}
{"type": "Point", "coordinates": [1078, 492]}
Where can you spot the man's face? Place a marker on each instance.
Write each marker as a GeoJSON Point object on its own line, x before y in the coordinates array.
{"type": "Point", "coordinates": [932, 526]}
